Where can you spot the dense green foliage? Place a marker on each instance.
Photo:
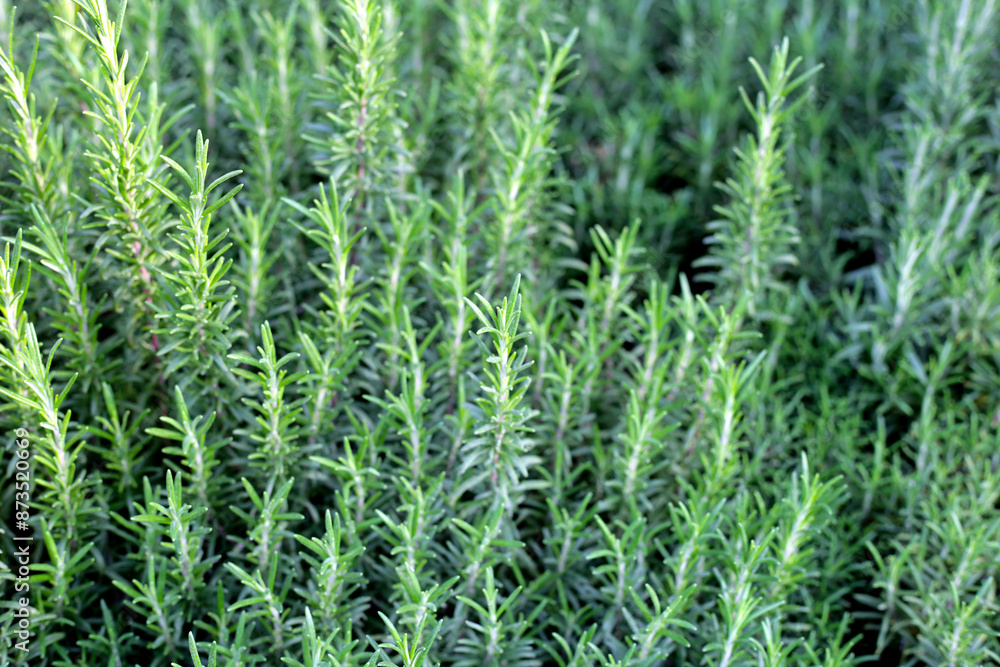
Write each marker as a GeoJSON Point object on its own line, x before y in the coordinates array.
{"type": "Point", "coordinates": [482, 332]}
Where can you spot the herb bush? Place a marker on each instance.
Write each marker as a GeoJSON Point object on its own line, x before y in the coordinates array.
{"type": "Point", "coordinates": [500, 333]}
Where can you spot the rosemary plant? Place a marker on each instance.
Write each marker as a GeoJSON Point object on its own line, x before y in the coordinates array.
{"type": "Point", "coordinates": [523, 334]}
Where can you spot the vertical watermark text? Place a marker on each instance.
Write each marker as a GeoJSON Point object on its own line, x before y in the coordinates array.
{"type": "Point", "coordinates": [22, 540]}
